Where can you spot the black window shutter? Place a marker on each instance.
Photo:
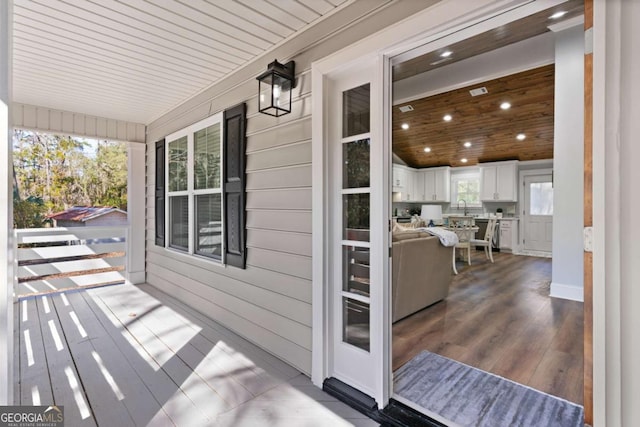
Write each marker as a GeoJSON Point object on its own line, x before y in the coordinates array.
{"type": "Point", "coordinates": [233, 185]}
{"type": "Point", "coordinates": [159, 193]}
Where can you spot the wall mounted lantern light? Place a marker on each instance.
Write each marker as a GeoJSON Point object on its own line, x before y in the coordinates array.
{"type": "Point", "coordinates": [274, 88]}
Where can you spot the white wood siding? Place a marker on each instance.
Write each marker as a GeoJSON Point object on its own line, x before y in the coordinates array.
{"type": "Point", "coordinates": [269, 303]}
{"type": "Point", "coordinates": [43, 119]}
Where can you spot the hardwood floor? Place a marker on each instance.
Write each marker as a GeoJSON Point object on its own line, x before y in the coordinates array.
{"type": "Point", "coordinates": [499, 318]}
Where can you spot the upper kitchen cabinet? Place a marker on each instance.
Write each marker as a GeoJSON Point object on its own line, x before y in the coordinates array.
{"type": "Point", "coordinates": [399, 178]}
{"type": "Point", "coordinates": [404, 183]}
{"type": "Point", "coordinates": [435, 183]}
{"type": "Point", "coordinates": [498, 182]}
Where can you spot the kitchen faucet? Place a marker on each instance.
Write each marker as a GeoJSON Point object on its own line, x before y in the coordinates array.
{"type": "Point", "coordinates": [465, 206]}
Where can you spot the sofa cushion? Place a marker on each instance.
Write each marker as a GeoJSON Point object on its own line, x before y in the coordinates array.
{"type": "Point", "coordinates": [405, 235]}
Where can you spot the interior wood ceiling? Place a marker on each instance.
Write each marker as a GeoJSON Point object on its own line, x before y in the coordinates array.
{"type": "Point", "coordinates": [134, 60]}
{"type": "Point", "coordinates": [479, 120]}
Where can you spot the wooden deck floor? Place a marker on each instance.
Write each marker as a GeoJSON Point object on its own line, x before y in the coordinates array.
{"type": "Point", "coordinates": [130, 355]}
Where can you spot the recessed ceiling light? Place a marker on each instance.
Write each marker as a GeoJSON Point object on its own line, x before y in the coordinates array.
{"type": "Point", "coordinates": [405, 126]}
{"type": "Point", "coordinates": [446, 54]}
{"type": "Point", "coordinates": [427, 149]}
{"type": "Point", "coordinates": [505, 105]}
{"type": "Point", "coordinates": [521, 136]}
{"type": "Point", "coordinates": [467, 144]}
{"type": "Point", "coordinates": [559, 14]}
{"type": "Point", "coordinates": [447, 118]}
{"type": "Point", "coordinates": [463, 160]}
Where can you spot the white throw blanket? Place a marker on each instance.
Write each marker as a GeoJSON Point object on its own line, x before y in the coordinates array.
{"type": "Point", "coordinates": [447, 238]}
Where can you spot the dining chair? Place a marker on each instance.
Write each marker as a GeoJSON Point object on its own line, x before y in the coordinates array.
{"type": "Point", "coordinates": [463, 227]}
{"type": "Point", "coordinates": [487, 241]}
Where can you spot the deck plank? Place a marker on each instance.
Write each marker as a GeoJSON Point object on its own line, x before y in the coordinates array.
{"type": "Point", "coordinates": [194, 386]}
{"type": "Point", "coordinates": [255, 369]}
{"type": "Point", "coordinates": [171, 365]}
{"type": "Point", "coordinates": [34, 371]}
{"type": "Point", "coordinates": [66, 383]}
{"type": "Point", "coordinates": [266, 361]}
{"type": "Point", "coordinates": [177, 405]}
{"type": "Point", "coordinates": [227, 371]}
{"type": "Point", "coordinates": [89, 354]}
{"type": "Point", "coordinates": [137, 397]}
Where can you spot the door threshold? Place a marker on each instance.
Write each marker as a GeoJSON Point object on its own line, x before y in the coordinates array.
{"type": "Point", "coordinates": [395, 414]}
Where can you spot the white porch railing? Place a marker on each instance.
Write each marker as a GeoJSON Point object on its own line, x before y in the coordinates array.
{"type": "Point", "coordinates": [57, 259]}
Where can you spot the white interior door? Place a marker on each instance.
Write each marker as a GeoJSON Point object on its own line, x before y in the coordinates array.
{"type": "Point", "coordinates": [538, 213]}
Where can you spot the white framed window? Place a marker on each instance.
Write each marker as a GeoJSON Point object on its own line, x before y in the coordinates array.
{"type": "Point", "coordinates": [194, 189]}
{"type": "Point", "coordinates": [466, 186]}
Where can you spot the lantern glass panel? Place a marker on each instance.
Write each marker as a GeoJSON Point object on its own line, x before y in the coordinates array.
{"type": "Point", "coordinates": [275, 95]}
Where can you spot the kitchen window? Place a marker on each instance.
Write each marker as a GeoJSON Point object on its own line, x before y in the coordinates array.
{"type": "Point", "coordinates": [194, 189]}
{"type": "Point", "coordinates": [466, 186]}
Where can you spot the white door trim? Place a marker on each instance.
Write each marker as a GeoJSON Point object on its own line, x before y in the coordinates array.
{"type": "Point", "coordinates": [448, 17]}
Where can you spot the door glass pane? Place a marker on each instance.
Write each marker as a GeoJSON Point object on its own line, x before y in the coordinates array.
{"type": "Point", "coordinates": [356, 270]}
{"type": "Point", "coordinates": [355, 111]}
{"type": "Point", "coordinates": [178, 164]}
{"type": "Point", "coordinates": [209, 225]}
{"type": "Point", "coordinates": [207, 158]}
{"type": "Point", "coordinates": [179, 222]}
{"type": "Point", "coordinates": [541, 198]}
{"type": "Point", "coordinates": [355, 323]}
{"type": "Point", "coordinates": [355, 164]}
{"type": "Point", "coordinates": [355, 210]}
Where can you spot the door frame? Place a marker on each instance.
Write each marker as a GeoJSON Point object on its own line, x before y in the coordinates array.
{"type": "Point", "coordinates": [427, 30]}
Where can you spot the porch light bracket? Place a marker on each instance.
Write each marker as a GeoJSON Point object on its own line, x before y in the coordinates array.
{"type": "Point", "coordinates": [274, 88]}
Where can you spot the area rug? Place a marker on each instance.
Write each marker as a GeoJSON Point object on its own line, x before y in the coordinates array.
{"type": "Point", "coordinates": [470, 397]}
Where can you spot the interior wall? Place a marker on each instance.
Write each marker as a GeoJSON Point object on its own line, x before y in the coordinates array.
{"type": "Point", "coordinates": [629, 208]}
{"type": "Point", "coordinates": [567, 263]}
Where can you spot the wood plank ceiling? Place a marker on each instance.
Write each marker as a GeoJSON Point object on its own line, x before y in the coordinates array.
{"type": "Point", "coordinates": [133, 60]}
{"type": "Point", "coordinates": [479, 120]}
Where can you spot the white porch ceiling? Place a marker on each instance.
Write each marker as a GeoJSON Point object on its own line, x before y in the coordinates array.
{"type": "Point", "coordinates": [134, 60]}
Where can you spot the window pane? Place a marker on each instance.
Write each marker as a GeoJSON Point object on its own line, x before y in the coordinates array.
{"type": "Point", "coordinates": [207, 158]}
{"type": "Point", "coordinates": [355, 208]}
{"type": "Point", "coordinates": [355, 168]}
{"type": "Point", "coordinates": [355, 323]}
{"type": "Point", "coordinates": [356, 270]}
{"type": "Point", "coordinates": [178, 164]}
{"type": "Point", "coordinates": [467, 189]}
{"type": "Point", "coordinates": [209, 225]}
{"type": "Point", "coordinates": [179, 222]}
{"type": "Point", "coordinates": [541, 198]}
{"type": "Point", "coordinates": [355, 111]}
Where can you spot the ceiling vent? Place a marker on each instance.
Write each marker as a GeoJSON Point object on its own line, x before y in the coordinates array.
{"type": "Point", "coordinates": [479, 91]}
{"type": "Point", "coordinates": [406, 108]}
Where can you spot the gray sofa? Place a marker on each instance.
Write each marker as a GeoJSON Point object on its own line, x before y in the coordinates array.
{"type": "Point", "coordinates": [422, 272]}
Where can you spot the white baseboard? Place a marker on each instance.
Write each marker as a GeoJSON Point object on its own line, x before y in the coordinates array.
{"type": "Point", "coordinates": [570, 292]}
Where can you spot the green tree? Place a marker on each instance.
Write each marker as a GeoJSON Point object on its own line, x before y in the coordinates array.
{"type": "Point", "coordinates": [65, 171]}
{"type": "Point", "coordinates": [28, 213]}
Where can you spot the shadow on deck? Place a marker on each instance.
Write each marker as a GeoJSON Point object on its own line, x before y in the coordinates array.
{"type": "Point", "coordinates": [131, 355]}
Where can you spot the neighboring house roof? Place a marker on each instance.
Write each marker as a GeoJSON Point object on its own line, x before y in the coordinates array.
{"type": "Point", "coordinates": [83, 213]}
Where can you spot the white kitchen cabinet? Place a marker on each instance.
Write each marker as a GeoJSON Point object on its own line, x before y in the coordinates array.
{"type": "Point", "coordinates": [509, 235]}
{"type": "Point", "coordinates": [404, 182]}
{"type": "Point", "coordinates": [498, 182]}
{"type": "Point", "coordinates": [437, 184]}
{"type": "Point", "coordinates": [399, 178]}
